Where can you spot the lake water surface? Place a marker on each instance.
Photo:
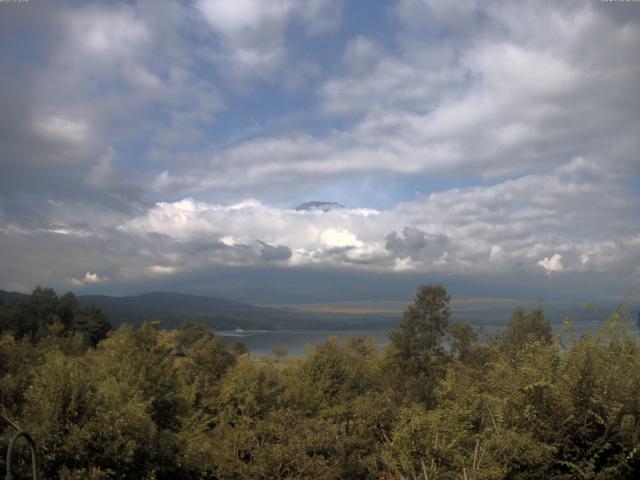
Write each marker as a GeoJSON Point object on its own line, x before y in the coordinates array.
{"type": "Point", "coordinates": [262, 342]}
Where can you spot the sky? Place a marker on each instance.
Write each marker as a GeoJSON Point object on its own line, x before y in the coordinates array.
{"type": "Point", "coordinates": [166, 144]}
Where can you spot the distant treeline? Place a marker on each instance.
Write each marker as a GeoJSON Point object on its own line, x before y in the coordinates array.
{"type": "Point", "coordinates": [43, 313]}
{"type": "Point", "coordinates": [142, 402]}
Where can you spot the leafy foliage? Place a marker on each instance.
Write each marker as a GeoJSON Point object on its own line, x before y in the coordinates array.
{"type": "Point", "coordinates": [437, 403]}
{"type": "Point", "coordinates": [44, 313]}
{"type": "Point", "coordinates": [417, 353]}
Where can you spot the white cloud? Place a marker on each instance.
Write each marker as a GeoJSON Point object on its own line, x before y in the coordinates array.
{"type": "Point", "coordinates": [512, 226]}
{"type": "Point", "coordinates": [504, 105]}
{"type": "Point", "coordinates": [90, 278]}
{"type": "Point", "coordinates": [572, 220]}
{"type": "Point", "coordinates": [234, 17]}
{"type": "Point", "coordinates": [162, 270]}
{"type": "Point", "coordinates": [342, 238]}
{"type": "Point", "coordinates": [228, 240]}
{"type": "Point", "coordinates": [552, 264]}
{"type": "Point", "coordinates": [111, 68]}
{"type": "Point", "coordinates": [253, 32]}
{"type": "Point", "coordinates": [107, 32]}
{"type": "Point", "coordinates": [60, 128]}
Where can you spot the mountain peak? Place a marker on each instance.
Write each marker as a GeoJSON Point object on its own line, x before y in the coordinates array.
{"type": "Point", "coordinates": [315, 205]}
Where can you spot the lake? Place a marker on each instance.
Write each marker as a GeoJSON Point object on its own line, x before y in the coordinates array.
{"type": "Point", "coordinates": [261, 342]}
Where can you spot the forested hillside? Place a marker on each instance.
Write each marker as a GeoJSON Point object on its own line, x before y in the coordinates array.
{"type": "Point", "coordinates": [171, 309]}
{"type": "Point", "coordinates": [143, 402]}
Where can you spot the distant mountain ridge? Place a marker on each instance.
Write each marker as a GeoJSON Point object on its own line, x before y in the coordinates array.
{"type": "Point", "coordinates": [6, 296]}
{"type": "Point", "coordinates": [172, 309]}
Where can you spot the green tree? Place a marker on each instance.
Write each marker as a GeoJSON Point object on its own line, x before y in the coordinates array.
{"type": "Point", "coordinates": [417, 352]}
{"type": "Point", "coordinates": [191, 332]}
{"type": "Point", "coordinates": [463, 339]}
{"type": "Point", "coordinates": [524, 327]}
{"type": "Point", "coordinates": [43, 313]}
{"type": "Point", "coordinates": [91, 322]}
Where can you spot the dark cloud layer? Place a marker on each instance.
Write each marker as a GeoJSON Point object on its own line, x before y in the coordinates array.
{"type": "Point", "coordinates": [274, 254]}
{"type": "Point", "coordinates": [415, 243]}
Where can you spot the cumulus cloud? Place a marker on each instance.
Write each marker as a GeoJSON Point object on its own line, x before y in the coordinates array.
{"type": "Point", "coordinates": [552, 264]}
{"type": "Point", "coordinates": [155, 139]}
{"type": "Point", "coordinates": [343, 238]}
{"type": "Point", "coordinates": [512, 224]}
{"type": "Point", "coordinates": [523, 226]}
{"type": "Point", "coordinates": [89, 278]}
